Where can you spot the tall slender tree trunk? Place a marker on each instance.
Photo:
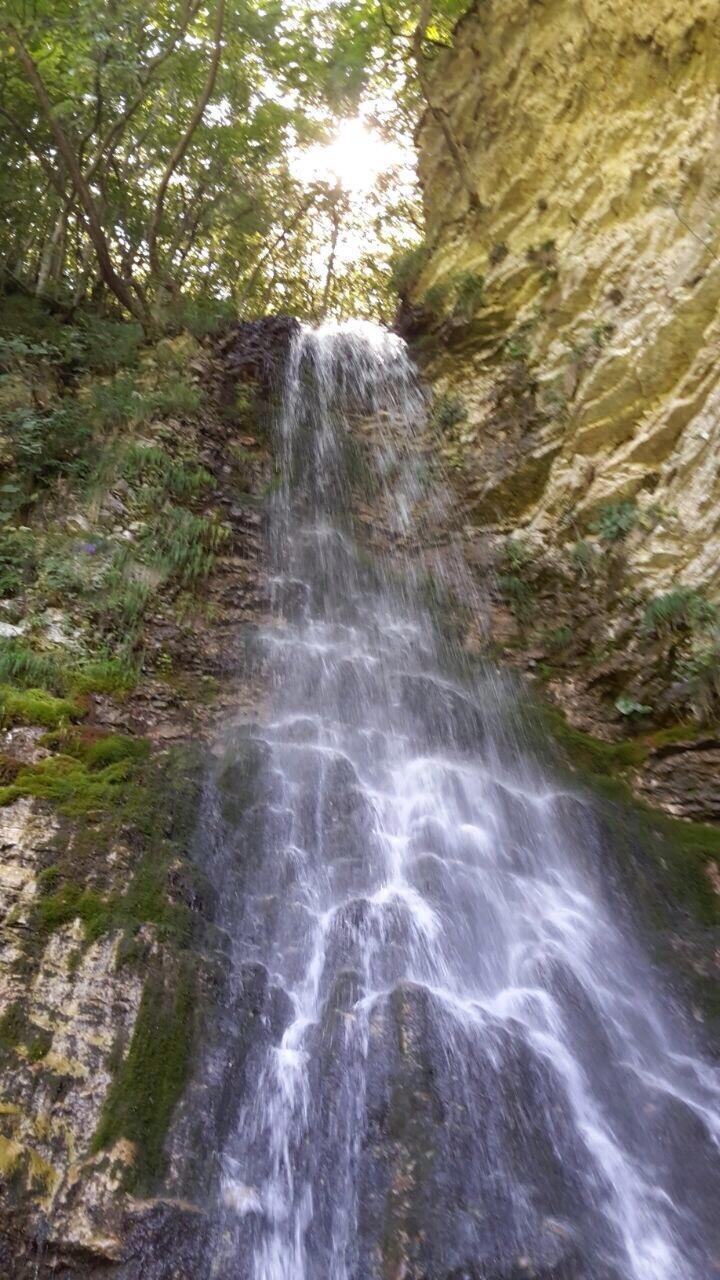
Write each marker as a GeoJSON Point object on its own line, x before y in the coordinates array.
{"type": "Point", "coordinates": [179, 151]}
{"type": "Point", "coordinates": [97, 235]}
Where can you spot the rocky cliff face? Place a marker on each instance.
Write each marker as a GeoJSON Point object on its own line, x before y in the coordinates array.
{"type": "Point", "coordinates": [125, 643]}
{"type": "Point", "coordinates": [568, 320]}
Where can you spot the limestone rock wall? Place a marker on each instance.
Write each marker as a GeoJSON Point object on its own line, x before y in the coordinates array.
{"type": "Point", "coordinates": [588, 364]}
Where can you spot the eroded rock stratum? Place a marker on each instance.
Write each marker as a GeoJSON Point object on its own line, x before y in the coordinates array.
{"type": "Point", "coordinates": [568, 319]}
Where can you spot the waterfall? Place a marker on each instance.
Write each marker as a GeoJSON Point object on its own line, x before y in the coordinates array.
{"type": "Point", "coordinates": [453, 1061]}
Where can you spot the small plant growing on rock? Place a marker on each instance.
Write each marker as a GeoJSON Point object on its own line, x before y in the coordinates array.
{"type": "Point", "coordinates": [517, 346]}
{"type": "Point", "coordinates": [682, 610]}
{"type": "Point", "coordinates": [469, 289]}
{"type": "Point", "coordinates": [584, 558]}
{"type": "Point", "coordinates": [615, 520]}
{"type": "Point", "coordinates": [498, 253]}
{"type": "Point", "coordinates": [700, 669]}
{"type": "Point", "coordinates": [406, 265]}
{"type": "Point", "coordinates": [602, 332]}
{"type": "Point", "coordinates": [436, 297]}
{"type": "Point", "coordinates": [448, 411]}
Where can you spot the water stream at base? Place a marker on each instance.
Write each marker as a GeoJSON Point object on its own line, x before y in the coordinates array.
{"type": "Point", "coordinates": [457, 1065]}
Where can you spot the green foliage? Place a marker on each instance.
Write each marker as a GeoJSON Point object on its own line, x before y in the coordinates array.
{"type": "Point", "coordinates": [584, 558]}
{"type": "Point", "coordinates": [406, 266]}
{"type": "Point", "coordinates": [615, 520]}
{"type": "Point", "coordinates": [18, 559]}
{"type": "Point", "coordinates": [518, 593]}
{"type": "Point", "coordinates": [448, 410]}
{"type": "Point", "coordinates": [517, 346]}
{"type": "Point", "coordinates": [35, 706]}
{"type": "Point", "coordinates": [73, 902]}
{"type": "Point", "coordinates": [69, 785]}
{"type": "Point", "coordinates": [681, 610]}
{"type": "Point", "coordinates": [700, 670]}
{"type": "Point", "coordinates": [558, 639]}
{"type": "Point", "coordinates": [517, 555]}
{"type": "Point", "coordinates": [184, 545]}
{"type": "Point", "coordinates": [118, 402]}
{"type": "Point", "coordinates": [435, 298]}
{"type": "Point", "coordinates": [17, 1032]}
{"type": "Point", "coordinates": [163, 475]}
{"type": "Point", "coordinates": [469, 290]}
{"type": "Point", "coordinates": [177, 398]}
{"type": "Point", "coordinates": [21, 665]}
{"type": "Point", "coordinates": [108, 345]}
{"type": "Point", "coordinates": [103, 675]}
{"type": "Point", "coordinates": [44, 444]}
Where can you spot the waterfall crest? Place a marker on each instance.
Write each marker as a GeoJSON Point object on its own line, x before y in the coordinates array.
{"type": "Point", "coordinates": [459, 1066]}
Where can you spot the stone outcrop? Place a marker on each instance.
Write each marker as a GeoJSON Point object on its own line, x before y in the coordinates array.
{"type": "Point", "coordinates": [593, 134]}
{"type": "Point", "coordinates": [107, 950]}
{"type": "Point", "coordinates": [567, 318]}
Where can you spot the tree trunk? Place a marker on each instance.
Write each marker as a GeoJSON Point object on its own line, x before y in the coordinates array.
{"type": "Point", "coordinates": [95, 230]}
{"type": "Point", "coordinates": [184, 142]}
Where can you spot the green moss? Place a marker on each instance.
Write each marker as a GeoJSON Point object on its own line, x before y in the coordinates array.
{"type": "Point", "coordinates": [104, 675]}
{"type": "Point", "coordinates": [679, 853]}
{"type": "Point", "coordinates": [589, 754]}
{"type": "Point", "coordinates": [115, 783]}
{"type": "Point", "coordinates": [17, 1032]}
{"type": "Point", "coordinates": [74, 902]}
{"type": "Point", "coordinates": [35, 706]}
{"type": "Point", "coordinates": [148, 1084]}
{"type": "Point", "coordinates": [69, 784]}
{"type": "Point", "coordinates": [12, 1026]}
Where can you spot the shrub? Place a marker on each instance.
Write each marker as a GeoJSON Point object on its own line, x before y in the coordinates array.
{"type": "Point", "coordinates": [162, 474]}
{"type": "Point", "coordinates": [61, 578]}
{"type": "Point", "coordinates": [558, 638]}
{"type": "Point", "coordinates": [405, 267]}
{"type": "Point", "coordinates": [469, 289]}
{"type": "Point", "coordinates": [204, 316]}
{"type": "Point", "coordinates": [177, 399]}
{"type": "Point", "coordinates": [435, 298]}
{"type": "Point", "coordinates": [103, 674]}
{"type": "Point", "coordinates": [517, 346]}
{"type": "Point", "coordinates": [584, 558]}
{"type": "Point", "coordinates": [18, 560]}
{"type": "Point", "coordinates": [447, 411]}
{"type": "Point", "coordinates": [45, 444]}
{"type": "Point", "coordinates": [118, 402]}
{"type": "Point", "coordinates": [184, 545]}
{"type": "Point", "coordinates": [684, 609]}
{"type": "Point", "coordinates": [21, 665]}
{"type": "Point", "coordinates": [108, 345]}
{"type": "Point", "coordinates": [615, 520]}
{"type": "Point", "coordinates": [517, 554]}
{"type": "Point", "coordinates": [701, 670]}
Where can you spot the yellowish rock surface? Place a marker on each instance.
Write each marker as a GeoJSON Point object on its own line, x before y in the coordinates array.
{"type": "Point", "coordinates": [593, 134]}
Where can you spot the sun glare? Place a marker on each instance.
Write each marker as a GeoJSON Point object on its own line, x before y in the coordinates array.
{"type": "Point", "coordinates": [355, 158]}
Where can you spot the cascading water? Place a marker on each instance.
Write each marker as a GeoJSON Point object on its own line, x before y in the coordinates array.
{"type": "Point", "coordinates": [457, 1066]}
